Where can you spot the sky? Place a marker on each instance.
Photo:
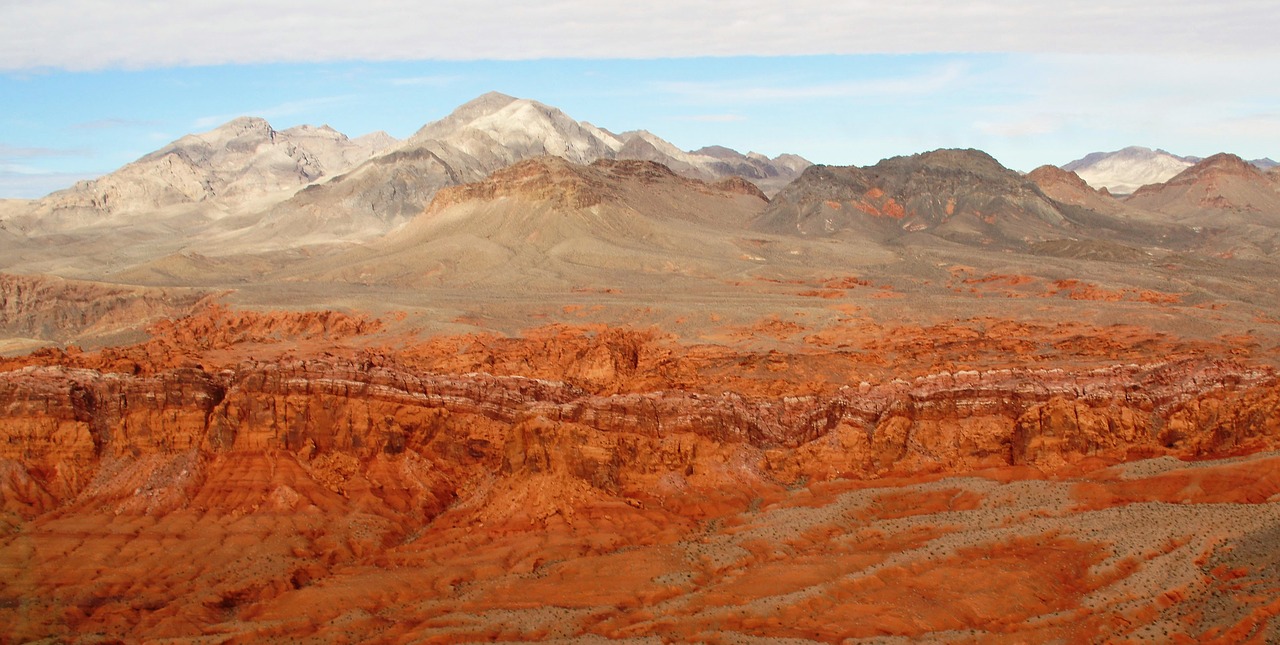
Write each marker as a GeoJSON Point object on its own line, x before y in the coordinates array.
{"type": "Point", "coordinates": [87, 86]}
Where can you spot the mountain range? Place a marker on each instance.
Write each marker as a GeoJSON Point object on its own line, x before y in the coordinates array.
{"type": "Point", "coordinates": [246, 188]}
{"type": "Point", "coordinates": [230, 166]}
{"type": "Point", "coordinates": [1124, 171]}
{"type": "Point", "coordinates": [508, 191]}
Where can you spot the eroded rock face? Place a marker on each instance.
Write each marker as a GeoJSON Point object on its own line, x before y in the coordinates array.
{"type": "Point", "coordinates": [60, 423]}
{"type": "Point", "coordinates": [48, 308]}
{"type": "Point", "coordinates": [572, 186]}
{"type": "Point", "coordinates": [257, 471]}
{"type": "Point", "coordinates": [955, 194]}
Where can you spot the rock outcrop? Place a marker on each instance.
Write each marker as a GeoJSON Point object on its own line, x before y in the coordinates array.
{"type": "Point", "coordinates": [544, 221]}
{"type": "Point", "coordinates": [572, 186]}
{"type": "Point", "coordinates": [1069, 188]}
{"type": "Point", "coordinates": [48, 309]}
{"type": "Point", "coordinates": [1219, 191]}
{"type": "Point", "coordinates": [256, 471]}
{"type": "Point", "coordinates": [60, 423]}
{"type": "Point", "coordinates": [962, 195]}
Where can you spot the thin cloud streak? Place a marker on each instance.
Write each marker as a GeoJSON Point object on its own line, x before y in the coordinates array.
{"type": "Point", "coordinates": [20, 184]}
{"type": "Point", "coordinates": [1029, 110]}
{"type": "Point", "coordinates": [934, 81]}
{"type": "Point", "coordinates": [133, 34]}
{"type": "Point", "coordinates": [19, 152]}
{"type": "Point", "coordinates": [1105, 102]}
{"type": "Point", "coordinates": [1251, 125]}
{"type": "Point", "coordinates": [1023, 127]}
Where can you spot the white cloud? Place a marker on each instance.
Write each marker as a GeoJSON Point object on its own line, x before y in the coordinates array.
{"type": "Point", "coordinates": [1070, 105]}
{"type": "Point", "coordinates": [8, 152]}
{"type": "Point", "coordinates": [1264, 126]}
{"type": "Point", "coordinates": [930, 82]}
{"type": "Point", "coordinates": [91, 34]}
{"type": "Point", "coordinates": [29, 183]}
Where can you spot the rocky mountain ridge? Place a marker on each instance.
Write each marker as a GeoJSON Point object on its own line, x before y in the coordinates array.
{"type": "Point", "coordinates": [211, 203]}
{"type": "Point", "coordinates": [1125, 171]}
{"type": "Point", "coordinates": [237, 162]}
{"type": "Point", "coordinates": [544, 221]}
{"type": "Point", "coordinates": [1221, 206]}
{"type": "Point", "coordinates": [962, 196]}
{"type": "Point", "coordinates": [1222, 190]}
{"type": "Point", "coordinates": [525, 128]}
{"type": "Point", "coordinates": [486, 134]}
{"type": "Point", "coordinates": [246, 188]}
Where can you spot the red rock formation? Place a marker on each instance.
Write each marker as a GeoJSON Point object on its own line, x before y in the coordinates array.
{"type": "Point", "coordinates": [312, 492]}
{"type": "Point", "coordinates": [739, 186]}
{"type": "Point", "coordinates": [73, 417]}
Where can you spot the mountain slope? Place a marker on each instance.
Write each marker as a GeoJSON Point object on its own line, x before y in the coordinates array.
{"type": "Point", "coordinates": [231, 165]}
{"type": "Point", "coordinates": [960, 195]}
{"type": "Point", "coordinates": [46, 309]}
{"type": "Point", "coordinates": [362, 204]}
{"type": "Point", "coordinates": [479, 137]}
{"type": "Point", "coordinates": [714, 162]}
{"type": "Point", "coordinates": [490, 132]}
{"type": "Point", "coordinates": [1068, 187]}
{"type": "Point", "coordinates": [1231, 200]}
{"type": "Point", "coordinates": [1124, 171]}
{"type": "Point", "coordinates": [549, 222]}
{"type": "Point", "coordinates": [245, 190]}
{"type": "Point", "coordinates": [498, 130]}
{"type": "Point", "coordinates": [1219, 190]}
{"type": "Point", "coordinates": [524, 128]}
{"type": "Point", "coordinates": [967, 201]}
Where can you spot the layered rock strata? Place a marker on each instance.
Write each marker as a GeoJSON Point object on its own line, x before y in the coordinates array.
{"type": "Point", "coordinates": [60, 424]}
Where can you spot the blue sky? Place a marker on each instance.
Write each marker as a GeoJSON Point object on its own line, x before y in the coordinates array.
{"type": "Point", "coordinates": [1012, 80]}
